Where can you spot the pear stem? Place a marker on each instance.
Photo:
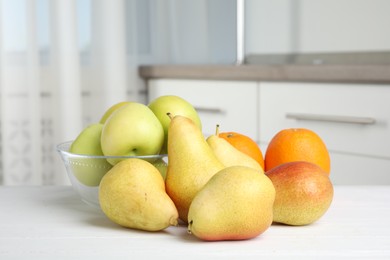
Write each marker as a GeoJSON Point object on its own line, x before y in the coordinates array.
{"type": "Point", "coordinates": [189, 227]}
{"type": "Point", "coordinates": [217, 130]}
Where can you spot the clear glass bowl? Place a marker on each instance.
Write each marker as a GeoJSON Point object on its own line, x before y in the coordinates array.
{"type": "Point", "coordinates": [86, 171]}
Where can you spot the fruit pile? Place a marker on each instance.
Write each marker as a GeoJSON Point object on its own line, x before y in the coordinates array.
{"type": "Point", "coordinates": [219, 186]}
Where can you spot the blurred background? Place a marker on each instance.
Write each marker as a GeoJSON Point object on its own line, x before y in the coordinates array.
{"type": "Point", "coordinates": [64, 62]}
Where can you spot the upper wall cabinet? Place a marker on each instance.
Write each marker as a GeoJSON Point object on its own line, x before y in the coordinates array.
{"type": "Point", "coordinates": [305, 26]}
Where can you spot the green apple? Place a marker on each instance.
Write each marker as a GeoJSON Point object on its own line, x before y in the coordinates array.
{"type": "Point", "coordinates": [132, 130]}
{"type": "Point", "coordinates": [111, 110]}
{"type": "Point", "coordinates": [161, 166]}
{"type": "Point", "coordinates": [176, 106]}
{"type": "Point", "coordinates": [89, 171]}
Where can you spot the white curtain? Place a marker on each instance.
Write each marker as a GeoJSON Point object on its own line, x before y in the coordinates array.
{"type": "Point", "coordinates": [64, 62]}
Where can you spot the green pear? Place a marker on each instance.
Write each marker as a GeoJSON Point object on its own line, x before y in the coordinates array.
{"type": "Point", "coordinates": [235, 204]}
{"type": "Point", "coordinates": [191, 163]}
{"type": "Point", "coordinates": [88, 171]}
{"type": "Point", "coordinates": [229, 155]}
{"type": "Point", "coordinates": [132, 194]}
{"type": "Point", "coordinates": [176, 106]}
{"type": "Point", "coordinates": [111, 110]}
{"type": "Point", "coordinates": [304, 192]}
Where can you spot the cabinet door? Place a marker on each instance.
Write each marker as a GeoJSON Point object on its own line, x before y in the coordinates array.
{"type": "Point", "coordinates": [353, 120]}
{"type": "Point", "coordinates": [350, 169]}
{"type": "Point", "coordinates": [231, 104]}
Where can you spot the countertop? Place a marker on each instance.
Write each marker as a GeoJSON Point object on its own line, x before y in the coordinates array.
{"type": "Point", "coordinates": [329, 73]}
{"type": "Point", "coordinates": [51, 222]}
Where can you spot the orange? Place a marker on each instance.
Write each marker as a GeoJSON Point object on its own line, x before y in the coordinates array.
{"type": "Point", "coordinates": [244, 144]}
{"type": "Point", "coordinates": [297, 144]}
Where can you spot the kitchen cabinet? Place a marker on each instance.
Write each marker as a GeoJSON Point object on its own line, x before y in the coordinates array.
{"type": "Point", "coordinates": [352, 119]}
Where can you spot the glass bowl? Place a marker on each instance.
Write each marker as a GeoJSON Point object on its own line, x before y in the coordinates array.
{"type": "Point", "coordinates": [86, 171]}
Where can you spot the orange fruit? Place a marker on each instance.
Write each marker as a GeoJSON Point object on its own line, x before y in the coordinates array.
{"type": "Point", "coordinates": [297, 144]}
{"type": "Point", "coordinates": [244, 144]}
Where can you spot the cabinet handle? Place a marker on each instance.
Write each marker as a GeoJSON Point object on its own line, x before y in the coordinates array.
{"type": "Point", "coordinates": [209, 110]}
{"type": "Point", "coordinates": [332, 118]}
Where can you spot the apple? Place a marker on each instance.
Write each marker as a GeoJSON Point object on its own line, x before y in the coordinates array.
{"type": "Point", "coordinates": [161, 166]}
{"type": "Point", "coordinates": [89, 171]}
{"type": "Point", "coordinates": [132, 130]}
{"type": "Point", "coordinates": [176, 106]}
{"type": "Point", "coordinates": [111, 110]}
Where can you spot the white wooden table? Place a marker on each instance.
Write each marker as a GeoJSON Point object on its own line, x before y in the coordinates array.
{"type": "Point", "coordinates": [51, 222]}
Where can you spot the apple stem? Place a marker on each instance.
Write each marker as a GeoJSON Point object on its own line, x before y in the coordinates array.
{"type": "Point", "coordinates": [170, 115]}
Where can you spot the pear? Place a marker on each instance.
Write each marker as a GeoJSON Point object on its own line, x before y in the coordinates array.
{"type": "Point", "coordinates": [304, 192]}
{"type": "Point", "coordinates": [235, 204]}
{"type": "Point", "coordinates": [176, 105]}
{"type": "Point", "coordinates": [132, 194]}
{"type": "Point", "coordinates": [191, 163]}
{"type": "Point", "coordinates": [229, 155]}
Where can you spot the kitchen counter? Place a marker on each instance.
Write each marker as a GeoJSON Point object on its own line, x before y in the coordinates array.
{"type": "Point", "coordinates": [331, 73]}
{"type": "Point", "coordinates": [51, 222]}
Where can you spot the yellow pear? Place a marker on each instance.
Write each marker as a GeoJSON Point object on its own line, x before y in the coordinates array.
{"type": "Point", "coordinates": [304, 192]}
{"type": "Point", "coordinates": [229, 155]}
{"type": "Point", "coordinates": [132, 194]}
{"type": "Point", "coordinates": [235, 204]}
{"type": "Point", "coordinates": [191, 163]}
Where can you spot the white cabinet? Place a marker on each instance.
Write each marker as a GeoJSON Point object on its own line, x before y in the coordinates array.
{"type": "Point", "coordinates": [231, 104]}
{"type": "Point", "coordinates": [352, 119]}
